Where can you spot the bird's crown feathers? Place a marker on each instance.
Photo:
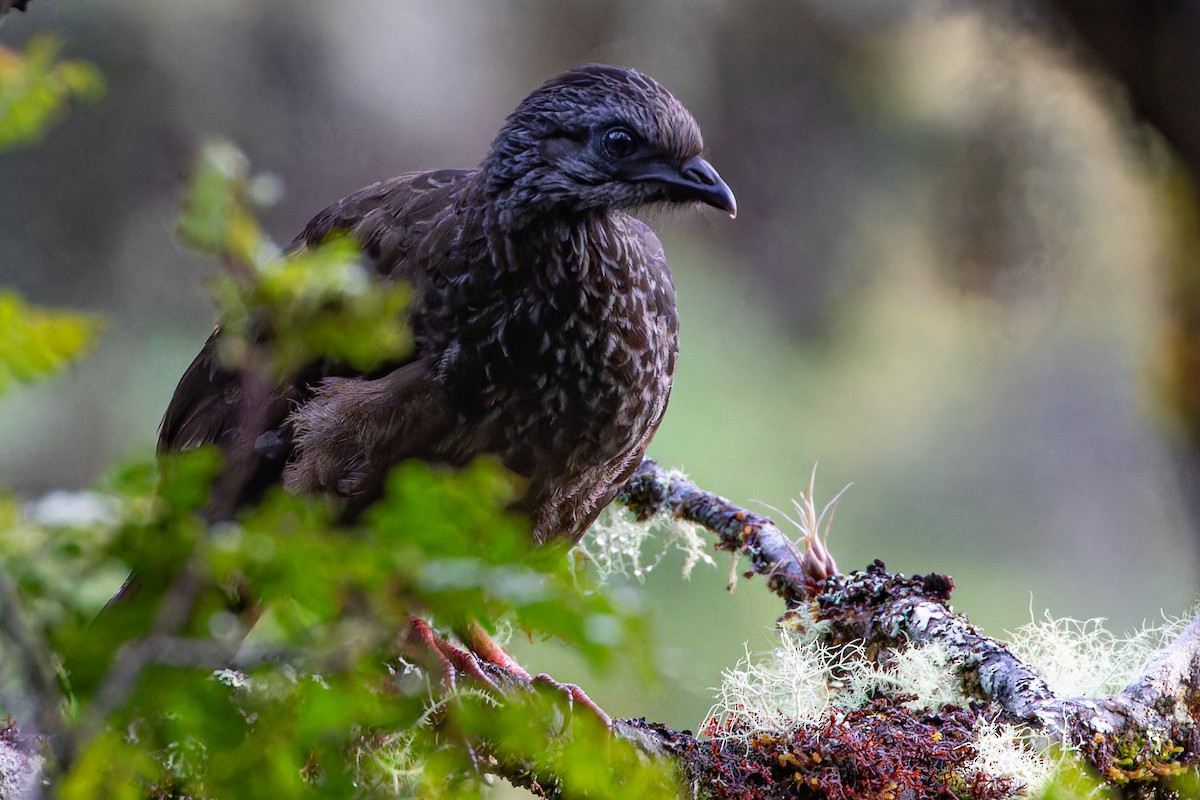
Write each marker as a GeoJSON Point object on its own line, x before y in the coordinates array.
{"type": "Point", "coordinates": [562, 147]}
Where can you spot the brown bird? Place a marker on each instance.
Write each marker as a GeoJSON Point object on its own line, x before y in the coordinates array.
{"type": "Point", "coordinates": [544, 316]}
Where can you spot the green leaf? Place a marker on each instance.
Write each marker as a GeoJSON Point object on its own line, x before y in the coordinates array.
{"type": "Point", "coordinates": [216, 216]}
{"type": "Point", "coordinates": [35, 90]}
{"type": "Point", "coordinates": [1074, 780]}
{"type": "Point", "coordinates": [280, 312]}
{"type": "Point", "coordinates": [35, 342]}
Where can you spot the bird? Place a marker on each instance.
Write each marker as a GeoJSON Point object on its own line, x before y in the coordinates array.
{"type": "Point", "coordinates": [544, 321]}
{"type": "Point", "coordinates": [545, 336]}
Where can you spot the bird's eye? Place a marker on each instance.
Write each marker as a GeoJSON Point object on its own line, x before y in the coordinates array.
{"type": "Point", "coordinates": [619, 142]}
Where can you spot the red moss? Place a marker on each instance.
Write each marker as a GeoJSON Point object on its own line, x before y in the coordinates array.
{"type": "Point", "coordinates": [882, 751]}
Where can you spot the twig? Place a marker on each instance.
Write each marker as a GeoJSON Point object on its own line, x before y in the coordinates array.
{"type": "Point", "coordinates": [1146, 731]}
{"type": "Point", "coordinates": [43, 695]}
{"type": "Point", "coordinates": [34, 661]}
{"type": "Point", "coordinates": [793, 570]}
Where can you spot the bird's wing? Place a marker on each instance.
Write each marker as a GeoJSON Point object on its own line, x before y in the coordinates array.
{"type": "Point", "coordinates": [196, 414]}
{"type": "Point", "coordinates": [392, 218]}
{"type": "Point", "coordinates": [218, 404]}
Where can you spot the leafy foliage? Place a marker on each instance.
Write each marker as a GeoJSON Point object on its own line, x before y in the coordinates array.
{"type": "Point", "coordinates": [335, 598]}
{"type": "Point", "coordinates": [1074, 781]}
{"type": "Point", "coordinates": [317, 302]}
{"type": "Point", "coordinates": [36, 341]}
{"type": "Point", "coordinates": [35, 88]}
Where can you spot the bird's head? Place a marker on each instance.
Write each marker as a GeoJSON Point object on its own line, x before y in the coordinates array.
{"type": "Point", "coordinates": [598, 137]}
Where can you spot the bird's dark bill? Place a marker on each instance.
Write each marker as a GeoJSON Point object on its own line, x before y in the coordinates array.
{"type": "Point", "coordinates": [695, 179]}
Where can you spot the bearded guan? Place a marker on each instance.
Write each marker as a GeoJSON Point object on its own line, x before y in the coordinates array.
{"type": "Point", "coordinates": [544, 324]}
{"type": "Point", "coordinates": [543, 317]}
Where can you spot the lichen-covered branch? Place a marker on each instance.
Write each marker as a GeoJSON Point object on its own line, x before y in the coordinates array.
{"type": "Point", "coordinates": [1149, 729]}
{"type": "Point", "coordinates": [792, 570]}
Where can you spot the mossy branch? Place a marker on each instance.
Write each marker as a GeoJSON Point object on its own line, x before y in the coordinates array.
{"type": "Point", "coordinates": [1148, 730]}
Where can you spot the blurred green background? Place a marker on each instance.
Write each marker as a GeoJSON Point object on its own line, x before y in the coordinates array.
{"type": "Point", "coordinates": [947, 282]}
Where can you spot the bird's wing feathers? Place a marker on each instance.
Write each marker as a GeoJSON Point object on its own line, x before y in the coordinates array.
{"type": "Point", "coordinates": [390, 218]}
{"type": "Point", "coordinates": [218, 404]}
{"type": "Point", "coordinates": [193, 417]}
{"type": "Point", "coordinates": [353, 429]}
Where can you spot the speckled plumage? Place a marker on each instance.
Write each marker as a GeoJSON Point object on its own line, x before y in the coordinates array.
{"type": "Point", "coordinates": [544, 316]}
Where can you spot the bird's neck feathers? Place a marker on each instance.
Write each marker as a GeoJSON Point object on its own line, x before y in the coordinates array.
{"type": "Point", "coordinates": [534, 216]}
{"type": "Point", "coordinates": [564, 244]}
{"type": "Point", "coordinates": [520, 191]}
{"type": "Point", "coordinates": [527, 208]}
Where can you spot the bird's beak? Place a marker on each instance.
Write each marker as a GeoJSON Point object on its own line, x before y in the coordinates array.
{"type": "Point", "coordinates": [695, 179]}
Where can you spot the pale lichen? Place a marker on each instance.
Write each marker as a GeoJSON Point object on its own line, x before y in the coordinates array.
{"type": "Point", "coordinates": [1081, 658]}
{"type": "Point", "coordinates": [926, 674]}
{"type": "Point", "coordinates": [790, 687]}
{"type": "Point", "coordinates": [1002, 752]}
{"type": "Point", "coordinates": [620, 544]}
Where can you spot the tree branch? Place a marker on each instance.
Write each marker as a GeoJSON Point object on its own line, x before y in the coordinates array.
{"type": "Point", "coordinates": [791, 572]}
{"type": "Point", "coordinates": [1159, 711]}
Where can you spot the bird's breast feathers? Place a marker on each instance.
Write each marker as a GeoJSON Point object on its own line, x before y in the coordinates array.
{"type": "Point", "coordinates": [568, 334]}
